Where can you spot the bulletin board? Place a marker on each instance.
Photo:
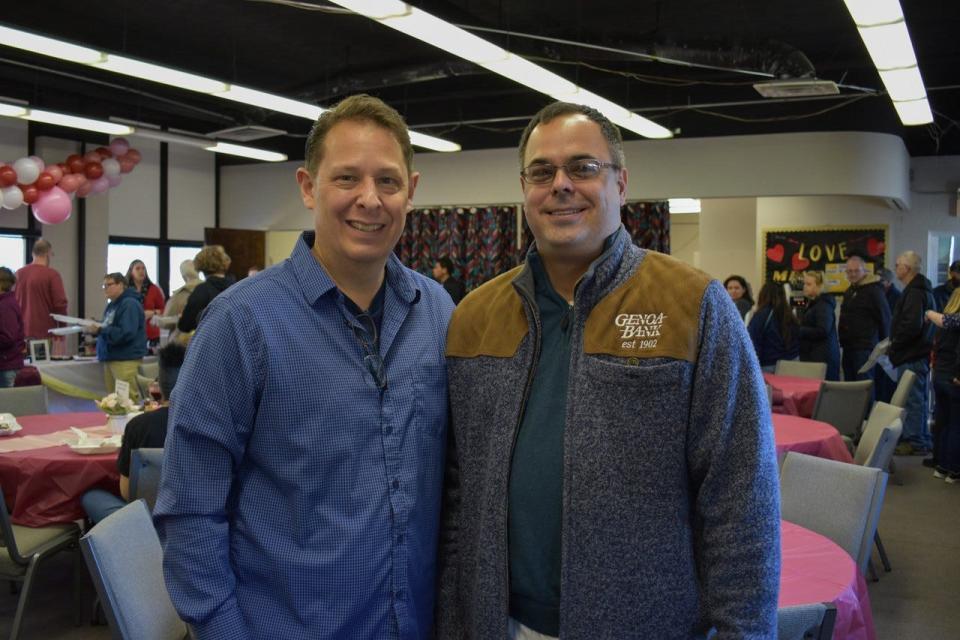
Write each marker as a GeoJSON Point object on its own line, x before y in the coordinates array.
{"type": "Point", "coordinates": [790, 252]}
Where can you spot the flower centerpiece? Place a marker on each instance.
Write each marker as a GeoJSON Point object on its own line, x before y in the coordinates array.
{"type": "Point", "coordinates": [118, 411]}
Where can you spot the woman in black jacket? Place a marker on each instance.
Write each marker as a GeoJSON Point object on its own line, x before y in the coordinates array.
{"type": "Point", "coordinates": [818, 328]}
{"type": "Point", "coordinates": [212, 262]}
{"type": "Point", "coordinates": [946, 388]}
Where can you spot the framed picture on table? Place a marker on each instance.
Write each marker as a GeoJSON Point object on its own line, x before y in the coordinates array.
{"type": "Point", "coordinates": [39, 351]}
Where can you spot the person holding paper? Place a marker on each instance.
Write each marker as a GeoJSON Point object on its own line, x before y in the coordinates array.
{"type": "Point", "coordinates": [303, 465]}
{"type": "Point", "coordinates": [121, 335]}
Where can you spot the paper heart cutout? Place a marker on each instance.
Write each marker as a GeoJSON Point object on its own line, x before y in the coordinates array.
{"type": "Point", "coordinates": [798, 263]}
{"type": "Point", "coordinates": [874, 247]}
{"type": "Point", "coordinates": [775, 253]}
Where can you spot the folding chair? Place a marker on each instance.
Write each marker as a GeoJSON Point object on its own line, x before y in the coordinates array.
{"type": "Point", "coordinates": [815, 370]}
{"type": "Point", "coordinates": [843, 405]}
{"type": "Point", "coordinates": [21, 551]}
{"type": "Point", "coordinates": [835, 499]}
{"type": "Point", "coordinates": [126, 562]}
{"type": "Point", "coordinates": [899, 397]}
{"type": "Point", "coordinates": [145, 467]}
{"type": "Point", "coordinates": [814, 621]}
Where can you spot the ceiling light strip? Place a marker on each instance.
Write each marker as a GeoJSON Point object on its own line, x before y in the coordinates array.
{"type": "Point", "coordinates": [452, 39]}
{"type": "Point", "coordinates": [157, 73]}
{"type": "Point", "coordinates": [884, 33]}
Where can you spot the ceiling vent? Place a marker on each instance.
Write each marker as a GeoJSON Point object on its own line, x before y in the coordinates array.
{"type": "Point", "coordinates": [796, 88]}
{"type": "Point", "coordinates": [246, 133]}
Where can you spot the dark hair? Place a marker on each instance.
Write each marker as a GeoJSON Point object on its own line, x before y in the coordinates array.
{"type": "Point", "coordinates": [747, 292]}
{"type": "Point", "coordinates": [7, 279]}
{"type": "Point", "coordinates": [446, 263]}
{"type": "Point", "coordinates": [362, 108]}
{"type": "Point", "coordinates": [146, 277]}
{"type": "Point", "coordinates": [955, 266]}
{"type": "Point", "coordinates": [171, 359]}
{"type": "Point", "coordinates": [610, 131]}
{"type": "Point", "coordinates": [772, 295]}
{"type": "Point", "coordinates": [116, 277]}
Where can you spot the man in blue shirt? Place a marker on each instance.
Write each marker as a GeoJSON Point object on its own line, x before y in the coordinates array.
{"type": "Point", "coordinates": [301, 485]}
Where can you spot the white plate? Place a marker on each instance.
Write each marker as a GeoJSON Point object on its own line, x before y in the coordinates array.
{"type": "Point", "coordinates": [90, 450]}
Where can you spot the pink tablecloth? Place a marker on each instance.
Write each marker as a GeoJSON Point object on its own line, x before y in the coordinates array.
{"type": "Point", "coordinates": [803, 435]}
{"type": "Point", "coordinates": [793, 395]}
{"type": "Point", "coordinates": [817, 570]}
{"type": "Point", "coordinates": [43, 485]}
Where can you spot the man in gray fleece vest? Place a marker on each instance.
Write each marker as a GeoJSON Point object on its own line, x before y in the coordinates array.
{"type": "Point", "coordinates": [611, 467]}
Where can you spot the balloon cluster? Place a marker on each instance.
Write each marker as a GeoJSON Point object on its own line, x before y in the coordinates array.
{"type": "Point", "coordinates": [48, 189]}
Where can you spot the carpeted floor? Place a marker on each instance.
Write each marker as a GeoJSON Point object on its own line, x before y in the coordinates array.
{"type": "Point", "coordinates": [917, 600]}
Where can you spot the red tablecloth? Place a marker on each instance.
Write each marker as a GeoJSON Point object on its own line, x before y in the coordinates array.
{"type": "Point", "coordinates": [817, 570]}
{"type": "Point", "coordinates": [43, 486]}
{"type": "Point", "coordinates": [803, 435]}
{"type": "Point", "coordinates": [793, 395]}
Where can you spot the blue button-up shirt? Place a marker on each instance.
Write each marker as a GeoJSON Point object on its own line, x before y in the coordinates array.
{"type": "Point", "coordinates": [298, 499]}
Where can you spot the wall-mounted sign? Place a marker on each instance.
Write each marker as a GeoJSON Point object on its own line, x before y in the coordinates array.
{"type": "Point", "coordinates": [790, 252]}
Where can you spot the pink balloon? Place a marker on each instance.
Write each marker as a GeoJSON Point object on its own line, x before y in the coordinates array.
{"type": "Point", "coordinates": [114, 180]}
{"type": "Point", "coordinates": [119, 146]}
{"type": "Point", "coordinates": [100, 185]}
{"type": "Point", "coordinates": [39, 161]}
{"type": "Point", "coordinates": [56, 172]}
{"type": "Point", "coordinates": [84, 189]}
{"type": "Point", "coordinates": [126, 166]}
{"type": "Point", "coordinates": [53, 206]}
{"type": "Point", "coordinates": [69, 182]}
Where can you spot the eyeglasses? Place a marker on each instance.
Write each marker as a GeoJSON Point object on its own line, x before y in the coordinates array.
{"type": "Point", "coordinates": [577, 170]}
{"type": "Point", "coordinates": [372, 360]}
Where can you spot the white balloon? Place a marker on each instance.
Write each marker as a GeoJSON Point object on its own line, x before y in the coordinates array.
{"type": "Point", "coordinates": [111, 168]}
{"type": "Point", "coordinates": [12, 197]}
{"type": "Point", "coordinates": [27, 170]}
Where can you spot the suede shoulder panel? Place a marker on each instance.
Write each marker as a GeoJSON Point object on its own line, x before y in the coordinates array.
{"type": "Point", "coordinates": [654, 314]}
{"type": "Point", "coordinates": [488, 322]}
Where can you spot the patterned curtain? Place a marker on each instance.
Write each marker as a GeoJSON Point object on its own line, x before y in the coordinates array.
{"type": "Point", "coordinates": [648, 224]}
{"type": "Point", "coordinates": [481, 241]}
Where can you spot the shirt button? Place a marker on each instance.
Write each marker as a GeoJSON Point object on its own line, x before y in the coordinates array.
{"type": "Point", "coordinates": [396, 484]}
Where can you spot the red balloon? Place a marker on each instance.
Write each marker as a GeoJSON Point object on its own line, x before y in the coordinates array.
{"type": "Point", "coordinates": [91, 156]}
{"type": "Point", "coordinates": [126, 166]}
{"type": "Point", "coordinates": [70, 182]}
{"type": "Point", "coordinates": [8, 177]}
{"type": "Point", "coordinates": [104, 152]}
{"type": "Point", "coordinates": [133, 155]}
{"type": "Point", "coordinates": [75, 164]}
{"type": "Point", "coordinates": [93, 170]}
{"type": "Point", "coordinates": [30, 193]}
{"type": "Point", "coordinates": [45, 182]}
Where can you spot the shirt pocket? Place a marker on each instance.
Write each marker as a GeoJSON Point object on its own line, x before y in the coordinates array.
{"type": "Point", "coordinates": [430, 388]}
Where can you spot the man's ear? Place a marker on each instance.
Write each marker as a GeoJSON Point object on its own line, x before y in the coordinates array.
{"type": "Point", "coordinates": [622, 185]}
{"type": "Point", "coordinates": [306, 188]}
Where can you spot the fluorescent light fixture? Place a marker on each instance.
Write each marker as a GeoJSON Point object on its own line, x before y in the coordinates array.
{"type": "Point", "coordinates": [49, 46]}
{"type": "Point", "coordinates": [192, 82]}
{"type": "Point", "coordinates": [12, 110]}
{"type": "Point", "coordinates": [271, 101]}
{"type": "Point", "coordinates": [161, 74]}
{"type": "Point", "coordinates": [904, 84]}
{"type": "Point", "coordinates": [889, 46]}
{"type": "Point", "coordinates": [176, 138]}
{"type": "Point", "coordinates": [884, 33]}
{"type": "Point", "coordinates": [683, 205]}
{"type": "Point", "coordinates": [246, 152]}
{"type": "Point", "coordinates": [452, 39]}
{"type": "Point", "coordinates": [914, 112]}
{"type": "Point", "coordinates": [76, 122]}
{"type": "Point", "coordinates": [872, 12]}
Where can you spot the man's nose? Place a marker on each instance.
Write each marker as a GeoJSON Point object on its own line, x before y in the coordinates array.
{"type": "Point", "coordinates": [369, 197]}
{"type": "Point", "coordinates": [561, 181]}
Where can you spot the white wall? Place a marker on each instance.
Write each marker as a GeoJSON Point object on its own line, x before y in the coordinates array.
{"type": "Point", "coordinates": [135, 203]}
{"type": "Point", "coordinates": [935, 184]}
{"type": "Point", "coordinates": [729, 224]}
{"type": "Point", "coordinates": [191, 192]}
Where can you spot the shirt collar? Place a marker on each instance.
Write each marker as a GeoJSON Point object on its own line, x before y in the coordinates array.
{"type": "Point", "coordinates": [316, 282]}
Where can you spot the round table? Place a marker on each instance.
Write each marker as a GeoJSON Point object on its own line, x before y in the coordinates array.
{"type": "Point", "coordinates": [815, 569]}
{"type": "Point", "coordinates": [43, 479]}
{"type": "Point", "coordinates": [793, 395]}
{"type": "Point", "coordinates": [803, 435]}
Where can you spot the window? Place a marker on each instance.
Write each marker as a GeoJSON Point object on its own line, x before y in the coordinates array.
{"type": "Point", "coordinates": [948, 250]}
{"type": "Point", "coordinates": [119, 257]}
{"type": "Point", "coordinates": [178, 255]}
{"type": "Point", "coordinates": [14, 252]}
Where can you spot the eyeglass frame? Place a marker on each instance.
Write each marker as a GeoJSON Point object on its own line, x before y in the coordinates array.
{"type": "Point", "coordinates": [600, 164]}
{"type": "Point", "coordinates": [372, 361]}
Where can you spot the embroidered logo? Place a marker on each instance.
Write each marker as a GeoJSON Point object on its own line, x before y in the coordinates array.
{"type": "Point", "coordinates": [639, 330]}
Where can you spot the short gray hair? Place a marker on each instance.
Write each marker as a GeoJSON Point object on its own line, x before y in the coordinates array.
{"type": "Point", "coordinates": [912, 260]}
